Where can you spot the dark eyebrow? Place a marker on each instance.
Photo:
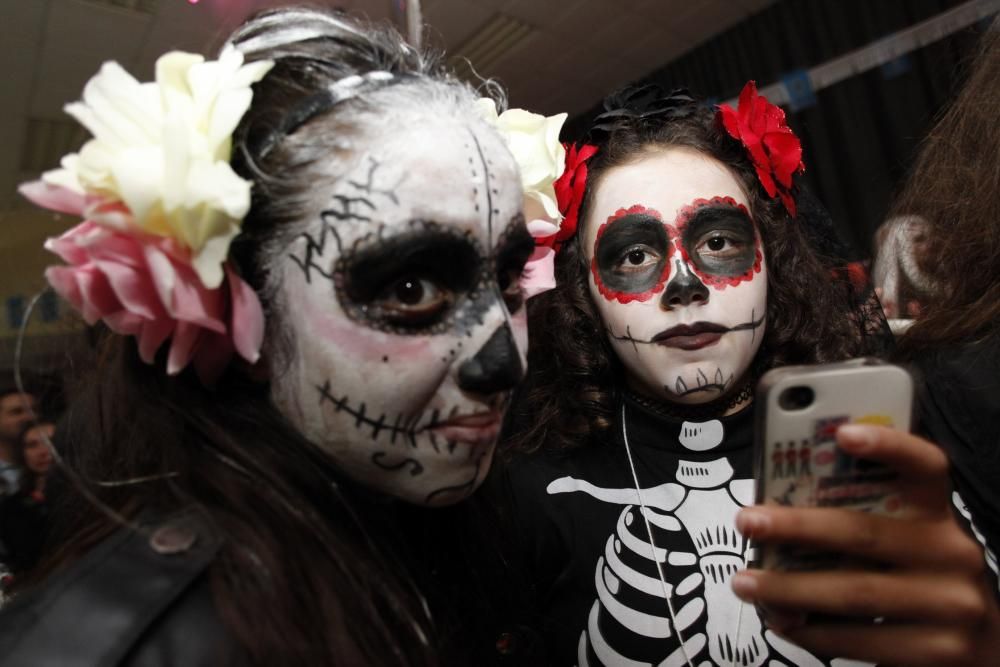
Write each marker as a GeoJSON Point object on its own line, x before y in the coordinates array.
{"type": "Point", "coordinates": [444, 253]}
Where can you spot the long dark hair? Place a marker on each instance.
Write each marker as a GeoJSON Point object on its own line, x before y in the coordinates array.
{"type": "Point", "coordinates": [955, 186]}
{"type": "Point", "coordinates": [573, 373]}
{"type": "Point", "coordinates": [313, 569]}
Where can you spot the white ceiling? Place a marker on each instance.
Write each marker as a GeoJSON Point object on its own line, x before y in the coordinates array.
{"type": "Point", "coordinates": [572, 52]}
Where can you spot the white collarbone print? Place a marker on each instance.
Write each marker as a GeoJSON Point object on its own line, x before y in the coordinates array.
{"type": "Point", "coordinates": [692, 522]}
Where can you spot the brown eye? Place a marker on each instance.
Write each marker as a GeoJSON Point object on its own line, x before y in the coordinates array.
{"type": "Point", "coordinates": [720, 245]}
{"type": "Point", "coordinates": [637, 258]}
{"type": "Point", "coordinates": [414, 301]}
{"type": "Point", "coordinates": [409, 292]}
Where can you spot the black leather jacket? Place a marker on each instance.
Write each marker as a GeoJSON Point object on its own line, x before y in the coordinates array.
{"type": "Point", "coordinates": [138, 598]}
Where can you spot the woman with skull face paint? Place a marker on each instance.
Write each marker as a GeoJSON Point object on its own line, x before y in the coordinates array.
{"type": "Point", "coordinates": [244, 510]}
{"type": "Point", "coordinates": [688, 275]}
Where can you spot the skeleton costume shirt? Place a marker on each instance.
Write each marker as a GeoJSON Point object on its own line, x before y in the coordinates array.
{"type": "Point", "coordinates": [595, 570]}
{"type": "Point", "coordinates": [678, 277]}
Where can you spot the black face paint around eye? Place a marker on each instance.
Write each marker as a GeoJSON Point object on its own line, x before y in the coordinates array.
{"type": "Point", "coordinates": [719, 239]}
{"type": "Point", "coordinates": [513, 250]}
{"type": "Point", "coordinates": [631, 255]}
{"type": "Point", "coordinates": [430, 279]}
{"type": "Point", "coordinates": [409, 283]}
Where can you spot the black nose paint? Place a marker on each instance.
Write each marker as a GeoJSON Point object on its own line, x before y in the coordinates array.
{"type": "Point", "coordinates": [684, 288]}
{"type": "Point", "coordinates": [496, 366]}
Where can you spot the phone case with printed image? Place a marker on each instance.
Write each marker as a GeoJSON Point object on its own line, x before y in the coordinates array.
{"type": "Point", "coordinates": [797, 460]}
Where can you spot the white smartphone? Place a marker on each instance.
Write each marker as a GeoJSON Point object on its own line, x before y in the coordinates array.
{"type": "Point", "coordinates": [797, 459]}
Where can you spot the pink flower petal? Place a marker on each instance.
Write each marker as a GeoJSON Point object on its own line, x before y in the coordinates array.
{"type": "Point", "coordinates": [542, 229]}
{"type": "Point", "coordinates": [118, 248]}
{"type": "Point", "coordinates": [71, 246]}
{"type": "Point", "coordinates": [63, 281]}
{"type": "Point", "coordinates": [98, 298]}
{"type": "Point", "coordinates": [181, 292]}
{"type": "Point", "coordinates": [124, 322]}
{"type": "Point", "coordinates": [182, 347]}
{"type": "Point", "coordinates": [246, 320]}
{"type": "Point", "coordinates": [193, 302]}
{"type": "Point", "coordinates": [145, 286]}
{"type": "Point", "coordinates": [152, 336]}
{"type": "Point", "coordinates": [539, 272]}
{"type": "Point", "coordinates": [109, 214]}
{"type": "Point", "coordinates": [53, 197]}
{"type": "Point", "coordinates": [133, 289]}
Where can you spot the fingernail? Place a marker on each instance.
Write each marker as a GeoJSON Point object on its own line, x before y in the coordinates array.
{"type": "Point", "coordinates": [752, 523]}
{"type": "Point", "coordinates": [744, 585]}
{"type": "Point", "coordinates": [856, 437]}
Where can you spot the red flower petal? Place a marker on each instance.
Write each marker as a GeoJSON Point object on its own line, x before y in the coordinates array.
{"type": "Point", "coordinates": [788, 201]}
{"type": "Point", "coordinates": [730, 120]}
{"type": "Point", "coordinates": [570, 188]}
{"type": "Point", "coordinates": [785, 153]}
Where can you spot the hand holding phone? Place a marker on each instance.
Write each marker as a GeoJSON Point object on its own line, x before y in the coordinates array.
{"type": "Point", "coordinates": [931, 589]}
{"type": "Point", "coordinates": [798, 462]}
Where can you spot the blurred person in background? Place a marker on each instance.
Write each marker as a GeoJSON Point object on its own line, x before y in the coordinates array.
{"type": "Point", "coordinates": [24, 514]}
{"type": "Point", "coordinates": [16, 413]}
{"type": "Point", "coordinates": [900, 280]}
{"type": "Point", "coordinates": [954, 186]}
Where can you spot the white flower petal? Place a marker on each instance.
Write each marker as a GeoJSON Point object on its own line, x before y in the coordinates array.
{"type": "Point", "coordinates": [138, 174]}
{"type": "Point", "coordinates": [226, 114]}
{"type": "Point", "coordinates": [162, 150]}
{"type": "Point", "coordinates": [207, 262]}
{"type": "Point", "coordinates": [65, 177]}
{"type": "Point", "coordinates": [547, 200]}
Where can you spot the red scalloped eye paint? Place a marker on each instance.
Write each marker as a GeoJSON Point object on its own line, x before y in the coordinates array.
{"type": "Point", "coordinates": [620, 234]}
{"type": "Point", "coordinates": [714, 279]}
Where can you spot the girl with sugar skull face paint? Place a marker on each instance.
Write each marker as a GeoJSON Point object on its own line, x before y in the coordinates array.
{"type": "Point", "coordinates": [328, 324]}
{"type": "Point", "coordinates": [406, 320]}
{"type": "Point", "coordinates": [683, 297]}
{"type": "Point", "coordinates": [690, 272]}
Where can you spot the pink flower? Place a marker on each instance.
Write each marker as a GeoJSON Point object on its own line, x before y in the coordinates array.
{"type": "Point", "coordinates": [539, 273]}
{"type": "Point", "coordinates": [146, 286]}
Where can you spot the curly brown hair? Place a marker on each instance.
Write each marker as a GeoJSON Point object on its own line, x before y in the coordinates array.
{"type": "Point", "coordinates": [955, 186]}
{"type": "Point", "coordinates": [574, 375]}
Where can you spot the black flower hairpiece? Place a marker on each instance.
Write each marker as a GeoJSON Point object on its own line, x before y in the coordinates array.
{"type": "Point", "coordinates": [636, 105]}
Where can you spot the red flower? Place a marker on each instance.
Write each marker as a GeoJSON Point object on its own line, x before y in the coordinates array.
{"type": "Point", "coordinates": [569, 188]}
{"type": "Point", "coordinates": [774, 149]}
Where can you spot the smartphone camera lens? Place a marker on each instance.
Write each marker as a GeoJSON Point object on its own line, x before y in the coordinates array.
{"type": "Point", "coordinates": [796, 398]}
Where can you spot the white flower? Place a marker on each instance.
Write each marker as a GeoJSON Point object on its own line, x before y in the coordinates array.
{"type": "Point", "coordinates": [162, 150]}
{"type": "Point", "coordinates": [534, 141]}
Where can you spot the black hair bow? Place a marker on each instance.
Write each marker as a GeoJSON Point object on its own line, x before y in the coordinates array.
{"type": "Point", "coordinates": [634, 105]}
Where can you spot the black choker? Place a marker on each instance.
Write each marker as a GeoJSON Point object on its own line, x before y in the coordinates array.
{"type": "Point", "coordinates": [700, 412]}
